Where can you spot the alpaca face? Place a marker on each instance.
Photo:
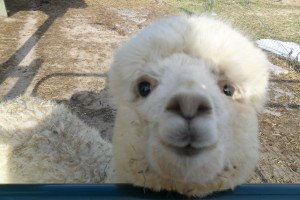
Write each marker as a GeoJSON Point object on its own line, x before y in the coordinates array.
{"type": "Point", "coordinates": [184, 111]}
{"type": "Point", "coordinates": [187, 92]}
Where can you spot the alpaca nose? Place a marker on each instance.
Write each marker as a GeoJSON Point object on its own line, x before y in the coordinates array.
{"type": "Point", "coordinates": [189, 106]}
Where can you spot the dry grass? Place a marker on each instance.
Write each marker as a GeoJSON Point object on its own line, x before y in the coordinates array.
{"type": "Point", "coordinates": [257, 18]}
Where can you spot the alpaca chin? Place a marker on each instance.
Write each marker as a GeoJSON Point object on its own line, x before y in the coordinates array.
{"type": "Point", "coordinates": [200, 168]}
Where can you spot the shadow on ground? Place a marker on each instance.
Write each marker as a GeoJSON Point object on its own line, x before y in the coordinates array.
{"type": "Point", "coordinates": [46, 6]}
{"type": "Point", "coordinates": [54, 9]}
{"type": "Point", "coordinates": [94, 108]}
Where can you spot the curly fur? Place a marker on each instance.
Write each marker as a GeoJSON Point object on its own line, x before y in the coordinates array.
{"type": "Point", "coordinates": [189, 56]}
{"type": "Point", "coordinates": [43, 142]}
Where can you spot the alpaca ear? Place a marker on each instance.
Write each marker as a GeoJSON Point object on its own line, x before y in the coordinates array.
{"type": "Point", "coordinates": [264, 96]}
{"type": "Point", "coordinates": [259, 95]}
{"type": "Point", "coordinates": [259, 102]}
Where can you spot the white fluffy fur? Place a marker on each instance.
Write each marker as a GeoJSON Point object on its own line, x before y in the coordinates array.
{"type": "Point", "coordinates": [43, 142]}
{"type": "Point", "coordinates": [187, 55]}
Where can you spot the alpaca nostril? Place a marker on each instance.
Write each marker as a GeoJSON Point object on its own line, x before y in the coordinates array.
{"type": "Point", "coordinates": [174, 106]}
{"type": "Point", "coordinates": [204, 107]}
{"type": "Point", "coordinates": [189, 106]}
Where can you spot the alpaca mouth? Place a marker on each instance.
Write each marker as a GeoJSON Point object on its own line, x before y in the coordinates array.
{"type": "Point", "coordinates": [190, 150]}
{"type": "Point", "coordinates": [187, 150]}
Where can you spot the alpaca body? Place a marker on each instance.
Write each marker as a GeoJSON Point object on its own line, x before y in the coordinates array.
{"type": "Point", "coordinates": [43, 142]}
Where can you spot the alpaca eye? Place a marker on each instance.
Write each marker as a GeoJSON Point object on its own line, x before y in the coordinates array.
{"type": "Point", "coordinates": [228, 90]}
{"type": "Point", "coordinates": [144, 88]}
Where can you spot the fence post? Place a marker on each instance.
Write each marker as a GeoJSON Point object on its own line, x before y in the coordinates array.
{"type": "Point", "coordinates": [3, 11]}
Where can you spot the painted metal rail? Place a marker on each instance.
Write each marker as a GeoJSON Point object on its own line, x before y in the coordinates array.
{"type": "Point", "coordinates": [127, 192]}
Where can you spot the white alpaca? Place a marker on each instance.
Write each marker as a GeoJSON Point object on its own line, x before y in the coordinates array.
{"type": "Point", "coordinates": [187, 91]}
{"type": "Point", "coordinates": [43, 142]}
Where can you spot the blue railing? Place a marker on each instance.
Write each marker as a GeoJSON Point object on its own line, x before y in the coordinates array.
{"type": "Point", "coordinates": [126, 192]}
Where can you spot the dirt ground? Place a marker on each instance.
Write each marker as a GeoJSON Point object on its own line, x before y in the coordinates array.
{"type": "Point", "coordinates": [62, 50]}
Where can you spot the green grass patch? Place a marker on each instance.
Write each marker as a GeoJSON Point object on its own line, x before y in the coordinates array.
{"type": "Point", "coordinates": [256, 18]}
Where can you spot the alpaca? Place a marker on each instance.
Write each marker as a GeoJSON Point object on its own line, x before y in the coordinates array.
{"type": "Point", "coordinates": [43, 142]}
{"type": "Point", "coordinates": [187, 92]}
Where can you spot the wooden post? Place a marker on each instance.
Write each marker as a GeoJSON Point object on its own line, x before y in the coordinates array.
{"type": "Point", "coordinates": [3, 11]}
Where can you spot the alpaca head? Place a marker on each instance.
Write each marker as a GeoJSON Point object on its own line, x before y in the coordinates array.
{"type": "Point", "coordinates": [187, 90]}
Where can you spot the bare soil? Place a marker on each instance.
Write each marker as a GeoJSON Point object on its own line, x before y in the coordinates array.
{"type": "Point", "coordinates": [62, 50]}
